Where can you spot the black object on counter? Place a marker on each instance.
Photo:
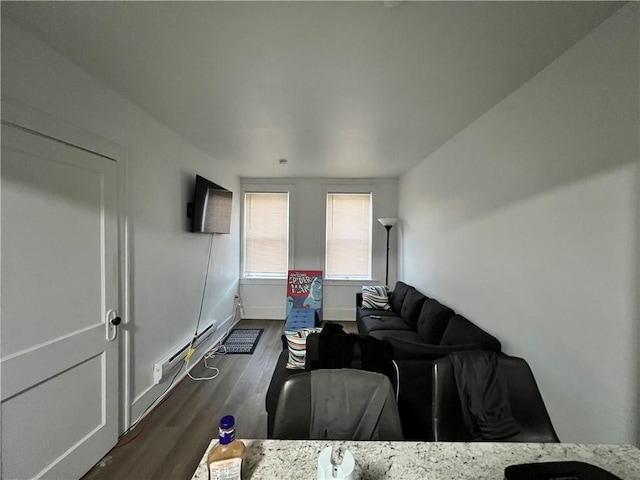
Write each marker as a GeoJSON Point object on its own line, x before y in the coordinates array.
{"type": "Point", "coordinates": [557, 471]}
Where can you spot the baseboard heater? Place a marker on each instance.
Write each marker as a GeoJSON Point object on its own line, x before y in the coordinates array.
{"type": "Point", "coordinates": [170, 362]}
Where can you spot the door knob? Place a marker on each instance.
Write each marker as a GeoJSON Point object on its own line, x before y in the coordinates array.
{"type": "Point", "coordinates": [113, 320]}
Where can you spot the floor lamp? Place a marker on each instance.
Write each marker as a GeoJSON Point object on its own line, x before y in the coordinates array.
{"type": "Point", "coordinates": [387, 223]}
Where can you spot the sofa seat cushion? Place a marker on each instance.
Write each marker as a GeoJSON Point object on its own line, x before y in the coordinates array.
{"type": "Point", "coordinates": [462, 331]}
{"type": "Point", "coordinates": [396, 298]}
{"type": "Point", "coordinates": [405, 335]}
{"type": "Point", "coordinates": [365, 312]}
{"type": "Point", "coordinates": [411, 307]}
{"type": "Point", "coordinates": [367, 324]}
{"type": "Point", "coordinates": [433, 321]}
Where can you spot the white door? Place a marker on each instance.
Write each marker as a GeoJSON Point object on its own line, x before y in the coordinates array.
{"type": "Point", "coordinates": [59, 293]}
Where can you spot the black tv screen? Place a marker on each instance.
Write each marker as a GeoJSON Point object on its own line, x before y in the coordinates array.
{"type": "Point", "coordinates": [211, 207]}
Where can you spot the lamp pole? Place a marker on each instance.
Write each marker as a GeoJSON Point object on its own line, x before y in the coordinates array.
{"type": "Point", "coordinates": [386, 278]}
{"type": "Point", "coordinates": [387, 223]}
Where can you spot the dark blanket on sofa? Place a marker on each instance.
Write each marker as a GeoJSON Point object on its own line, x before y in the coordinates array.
{"type": "Point", "coordinates": [338, 349]}
{"type": "Point", "coordinates": [483, 395]}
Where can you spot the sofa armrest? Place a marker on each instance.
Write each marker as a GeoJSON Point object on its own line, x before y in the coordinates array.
{"type": "Point", "coordinates": [408, 350]}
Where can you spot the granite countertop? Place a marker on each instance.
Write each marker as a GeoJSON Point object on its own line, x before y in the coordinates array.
{"type": "Point", "coordinates": [297, 459]}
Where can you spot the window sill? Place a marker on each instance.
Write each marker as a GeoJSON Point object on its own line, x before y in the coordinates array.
{"type": "Point", "coordinates": [263, 281]}
{"type": "Point", "coordinates": [333, 282]}
{"type": "Point", "coordinates": [350, 281]}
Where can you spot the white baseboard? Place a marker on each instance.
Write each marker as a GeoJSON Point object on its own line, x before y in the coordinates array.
{"type": "Point", "coordinates": [268, 313]}
{"type": "Point", "coordinates": [339, 314]}
{"type": "Point", "coordinates": [264, 313]}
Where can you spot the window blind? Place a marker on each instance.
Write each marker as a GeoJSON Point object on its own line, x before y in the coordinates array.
{"type": "Point", "coordinates": [348, 242]}
{"type": "Point", "coordinates": [266, 248]}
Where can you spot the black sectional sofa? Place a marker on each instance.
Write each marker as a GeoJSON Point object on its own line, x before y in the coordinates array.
{"type": "Point", "coordinates": [420, 330]}
{"type": "Point", "coordinates": [421, 327]}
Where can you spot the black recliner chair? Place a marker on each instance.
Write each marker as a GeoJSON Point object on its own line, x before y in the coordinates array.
{"type": "Point", "coordinates": [293, 417]}
{"type": "Point", "coordinates": [527, 406]}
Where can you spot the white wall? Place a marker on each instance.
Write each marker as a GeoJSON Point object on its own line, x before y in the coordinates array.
{"type": "Point", "coordinates": [527, 223]}
{"type": "Point", "coordinates": [307, 199]}
{"type": "Point", "coordinates": [167, 263]}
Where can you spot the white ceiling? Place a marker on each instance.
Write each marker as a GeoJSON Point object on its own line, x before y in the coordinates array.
{"type": "Point", "coordinates": [340, 89]}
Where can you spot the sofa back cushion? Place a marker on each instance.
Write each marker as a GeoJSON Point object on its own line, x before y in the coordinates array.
{"type": "Point", "coordinates": [433, 320]}
{"type": "Point", "coordinates": [411, 307]}
{"type": "Point", "coordinates": [397, 296]}
{"type": "Point", "coordinates": [461, 331]}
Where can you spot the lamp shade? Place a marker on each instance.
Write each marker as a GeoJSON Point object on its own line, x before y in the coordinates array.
{"type": "Point", "coordinates": [388, 222]}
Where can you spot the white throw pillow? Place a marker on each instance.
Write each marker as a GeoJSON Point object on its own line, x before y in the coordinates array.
{"type": "Point", "coordinates": [375, 297]}
{"type": "Point", "coordinates": [297, 344]}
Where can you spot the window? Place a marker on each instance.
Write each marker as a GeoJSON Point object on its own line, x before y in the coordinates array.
{"type": "Point", "coordinates": [348, 235]}
{"type": "Point", "coordinates": [266, 234]}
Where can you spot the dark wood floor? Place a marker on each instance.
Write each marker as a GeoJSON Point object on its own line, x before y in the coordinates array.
{"type": "Point", "coordinates": [173, 438]}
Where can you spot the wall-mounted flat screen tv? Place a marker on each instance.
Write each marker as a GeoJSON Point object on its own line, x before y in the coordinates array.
{"type": "Point", "coordinates": [211, 207]}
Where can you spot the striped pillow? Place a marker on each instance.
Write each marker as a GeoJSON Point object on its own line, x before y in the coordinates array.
{"type": "Point", "coordinates": [375, 297]}
{"type": "Point", "coordinates": [297, 343]}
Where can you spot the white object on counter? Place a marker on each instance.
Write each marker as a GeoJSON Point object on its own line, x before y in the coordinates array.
{"type": "Point", "coordinates": [335, 463]}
